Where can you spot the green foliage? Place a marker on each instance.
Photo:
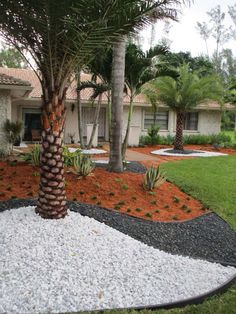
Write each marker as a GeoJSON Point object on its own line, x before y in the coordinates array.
{"type": "Point", "coordinates": [153, 134]}
{"type": "Point", "coordinates": [34, 156]}
{"type": "Point", "coordinates": [228, 121]}
{"type": "Point", "coordinates": [11, 58]}
{"type": "Point", "coordinates": [211, 180]}
{"type": "Point", "coordinates": [153, 178]}
{"type": "Point", "coordinates": [3, 154]}
{"type": "Point", "coordinates": [69, 157]}
{"type": "Point", "coordinates": [12, 130]}
{"type": "Point", "coordinates": [220, 138]}
{"type": "Point", "coordinates": [83, 165]}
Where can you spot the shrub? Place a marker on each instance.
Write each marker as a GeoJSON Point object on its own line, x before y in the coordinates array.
{"type": "Point", "coordinates": [153, 178]}
{"type": "Point", "coordinates": [207, 139]}
{"type": "Point", "coordinates": [34, 156]}
{"type": "Point", "coordinates": [69, 157]}
{"type": "Point", "coordinates": [12, 131]}
{"type": "Point", "coordinates": [83, 165]}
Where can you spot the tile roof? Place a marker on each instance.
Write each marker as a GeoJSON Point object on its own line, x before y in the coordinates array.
{"type": "Point", "coordinates": [11, 80]}
{"type": "Point", "coordinates": [27, 76]}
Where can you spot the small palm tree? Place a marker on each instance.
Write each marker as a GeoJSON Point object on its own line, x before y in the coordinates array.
{"type": "Point", "coordinates": [183, 93]}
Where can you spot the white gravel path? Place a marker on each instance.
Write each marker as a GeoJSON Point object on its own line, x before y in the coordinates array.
{"type": "Point", "coordinates": [200, 153]}
{"type": "Point", "coordinates": [79, 264]}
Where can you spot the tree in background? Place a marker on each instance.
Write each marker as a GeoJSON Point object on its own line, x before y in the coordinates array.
{"type": "Point", "coordinates": [184, 93]}
{"type": "Point", "coordinates": [204, 32]}
{"type": "Point", "coordinates": [11, 58]}
{"type": "Point", "coordinates": [62, 35]}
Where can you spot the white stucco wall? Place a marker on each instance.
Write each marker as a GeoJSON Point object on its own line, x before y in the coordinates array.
{"type": "Point", "coordinates": [5, 113]}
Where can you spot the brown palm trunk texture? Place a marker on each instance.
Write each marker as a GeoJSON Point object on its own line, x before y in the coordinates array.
{"type": "Point", "coordinates": [179, 131]}
{"type": "Point", "coordinates": [52, 194]}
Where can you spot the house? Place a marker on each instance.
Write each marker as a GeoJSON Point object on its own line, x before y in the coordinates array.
{"type": "Point", "coordinates": [20, 99]}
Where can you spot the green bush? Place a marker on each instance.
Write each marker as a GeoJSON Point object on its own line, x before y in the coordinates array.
{"type": "Point", "coordinates": [83, 165]}
{"type": "Point", "coordinates": [220, 138]}
{"type": "Point", "coordinates": [153, 179]}
{"type": "Point", "coordinates": [69, 157]}
{"type": "Point", "coordinates": [34, 156]}
{"type": "Point", "coordinates": [12, 131]}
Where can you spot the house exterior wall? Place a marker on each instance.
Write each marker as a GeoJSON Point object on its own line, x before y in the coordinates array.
{"type": "Point", "coordinates": [5, 113]}
{"type": "Point", "coordinates": [209, 122]}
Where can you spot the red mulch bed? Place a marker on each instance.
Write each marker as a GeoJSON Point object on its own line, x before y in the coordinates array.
{"type": "Point", "coordinates": [121, 192]}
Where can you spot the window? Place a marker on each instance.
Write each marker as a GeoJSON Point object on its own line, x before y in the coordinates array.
{"type": "Point", "coordinates": [191, 121]}
{"type": "Point", "coordinates": [161, 119]}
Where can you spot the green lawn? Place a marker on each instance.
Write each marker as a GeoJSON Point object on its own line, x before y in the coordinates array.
{"type": "Point", "coordinates": [211, 180]}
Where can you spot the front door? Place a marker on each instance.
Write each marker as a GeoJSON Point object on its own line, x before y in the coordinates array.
{"type": "Point", "coordinates": [32, 121]}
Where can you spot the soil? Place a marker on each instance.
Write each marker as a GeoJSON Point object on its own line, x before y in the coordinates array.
{"type": "Point", "coordinates": [119, 192]}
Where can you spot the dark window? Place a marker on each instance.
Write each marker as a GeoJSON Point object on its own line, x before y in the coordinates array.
{"type": "Point", "coordinates": [191, 121]}
{"type": "Point", "coordinates": [161, 119]}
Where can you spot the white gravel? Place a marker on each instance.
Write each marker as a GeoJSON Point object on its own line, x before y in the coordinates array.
{"type": "Point", "coordinates": [92, 151]}
{"type": "Point", "coordinates": [79, 264]}
{"type": "Point", "coordinates": [200, 153]}
{"type": "Point", "coordinates": [106, 161]}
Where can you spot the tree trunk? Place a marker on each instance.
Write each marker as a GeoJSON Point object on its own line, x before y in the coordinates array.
{"type": "Point", "coordinates": [179, 131]}
{"type": "Point", "coordinates": [118, 73]}
{"type": "Point", "coordinates": [126, 139]}
{"type": "Point", "coordinates": [81, 139]}
{"type": "Point", "coordinates": [109, 114]}
{"type": "Point", "coordinates": [52, 194]}
{"type": "Point", "coordinates": [95, 123]}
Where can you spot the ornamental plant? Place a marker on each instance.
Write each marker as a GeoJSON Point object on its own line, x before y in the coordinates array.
{"type": "Point", "coordinates": [153, 178]}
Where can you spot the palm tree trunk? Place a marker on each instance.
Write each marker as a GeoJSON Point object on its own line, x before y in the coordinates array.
{"type": "Point", "coordinates": [178, 145]}
{"type": "Point", "coordinates": [118, 73]}
{"type": "Point", "coordinates": [125, 142]}
{"type": "Point", "coordinates": [95, 123]}
{"type": "Point", "coordinates": [79, 106]}
{"type": "Point", "coordinates": [109, 114]}
{"type": "Point", "coordinates": [52, 194]}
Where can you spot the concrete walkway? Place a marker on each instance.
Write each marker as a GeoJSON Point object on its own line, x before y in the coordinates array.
{"type": "Point", "coordinates": [136, 156]}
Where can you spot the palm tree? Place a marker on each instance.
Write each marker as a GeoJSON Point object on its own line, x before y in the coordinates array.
{"type": "Point", "coordinates": [184, 93]}
{"type": "Point", "coordinates": [62, 35]}
{"type": "Point", "coordinates": [140, 67]}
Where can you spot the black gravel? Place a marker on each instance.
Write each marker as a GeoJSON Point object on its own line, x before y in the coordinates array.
{"type": "Point", "coordinates": [133, 166]}
{"type": "Point", "coordinates": [185, 151]}
{"type": "Point", "coordinates": [207, 237]}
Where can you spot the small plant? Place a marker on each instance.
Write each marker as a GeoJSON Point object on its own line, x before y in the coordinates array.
{"type": "Point", "coordinates": [9, 188]}
{"type": "Point", "coordinates": [13, 163]}
{"type": "Point", "coordinates": [129, 210]}
{"type": "Point", "coordinates": [13, 197]}
{"type": "Point", "coordinates": [157, 211]}
{"type": "Point", "coordinates": [74, 199]}
{"type": "Point", "coordinates": [81, 192]}
{"type": "Point", "coordinates": [34, 156]}
{"type": "Point", "coordinates": [2, 194]}
{"type": "Point", "coordinates": [175, 217]}
{"type": "Point", "coordinates": [35, 174]}
{"type": "Point", "coordinates": [152, 193]}
{"type": "Point", "coordinates": [176, 199]}
{"type": "Point", "coordinates": [188, 210]}
{"type": "Point", "coordinates": [167, 206]}
{"type": "Point", "coordinates": [1, 169]}
{"type": "Point", "coordinates": [184, 207]}
{"type": "Point", "coordinates": [72, 137]}
{"type": "Point", "coordinates": [149, 215]}
{"type": "Point", "coordinates": [98, 185]}
{"type": "Point", "coordinates": [154, 202]}
{"type": "Point", "coordinates": [99, 203]}
{"type": "Point", "coordinates": [125, 187]}
{"type": "Point", "coordinates": [83, 165]}
{"type": "Point", "coordinates": [188, 198]}
{"type": "Point", "coordinates": [93, 198]}
{"type": "Point", "coordinates": [119, 180]}
{"type": "Point", "coordinates": [134, 198]}
{"type": "Point", "coordinates": [153, 179]}
{"type": "Point", "coordinates": [70, 156]}
{"type": "Point", "coordinates": [111, 194]}
{"type": "Point", "coordinates": [121, 203]}
{"type": "Point", "coordinates": [30, 194]}
{"type": "Point", "coordinates": [3, 154]}
{"type": "Point", "coordinates": [12, 131]}
{"type": "Point", "coordinates": [138, 210]}
{"type": "Point", "coordinates": [117, 207]}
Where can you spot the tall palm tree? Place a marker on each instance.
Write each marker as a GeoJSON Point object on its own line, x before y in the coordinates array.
{"type": "Point", "coordinates": [184, 93]}
{"type": "Point", "coordinates": [139, 68]}
{"type": "Point", "coordinates": [62, 35]}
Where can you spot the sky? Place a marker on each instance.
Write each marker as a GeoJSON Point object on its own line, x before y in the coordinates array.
{"type": "Point", "coordinates": [184, 35]}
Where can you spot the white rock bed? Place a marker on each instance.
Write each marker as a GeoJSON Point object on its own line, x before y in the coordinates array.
{"type": "Point", "coordinates": [200, 153]}
{"type": "Point", "coordinates": [106, 161]}
{"type": "Point", "coordinates": [79, 264]}
{"type": "Point", "coordinates": [92, 151]}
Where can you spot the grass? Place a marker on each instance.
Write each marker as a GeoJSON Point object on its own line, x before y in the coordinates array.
{"type": "Point", "coordinates": [211, 180]}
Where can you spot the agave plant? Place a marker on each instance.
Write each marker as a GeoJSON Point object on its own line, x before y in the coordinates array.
{"type": "Point", "coordinates": [153, 178]}
{"type": "Point", "coordinates": [83, 165]}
